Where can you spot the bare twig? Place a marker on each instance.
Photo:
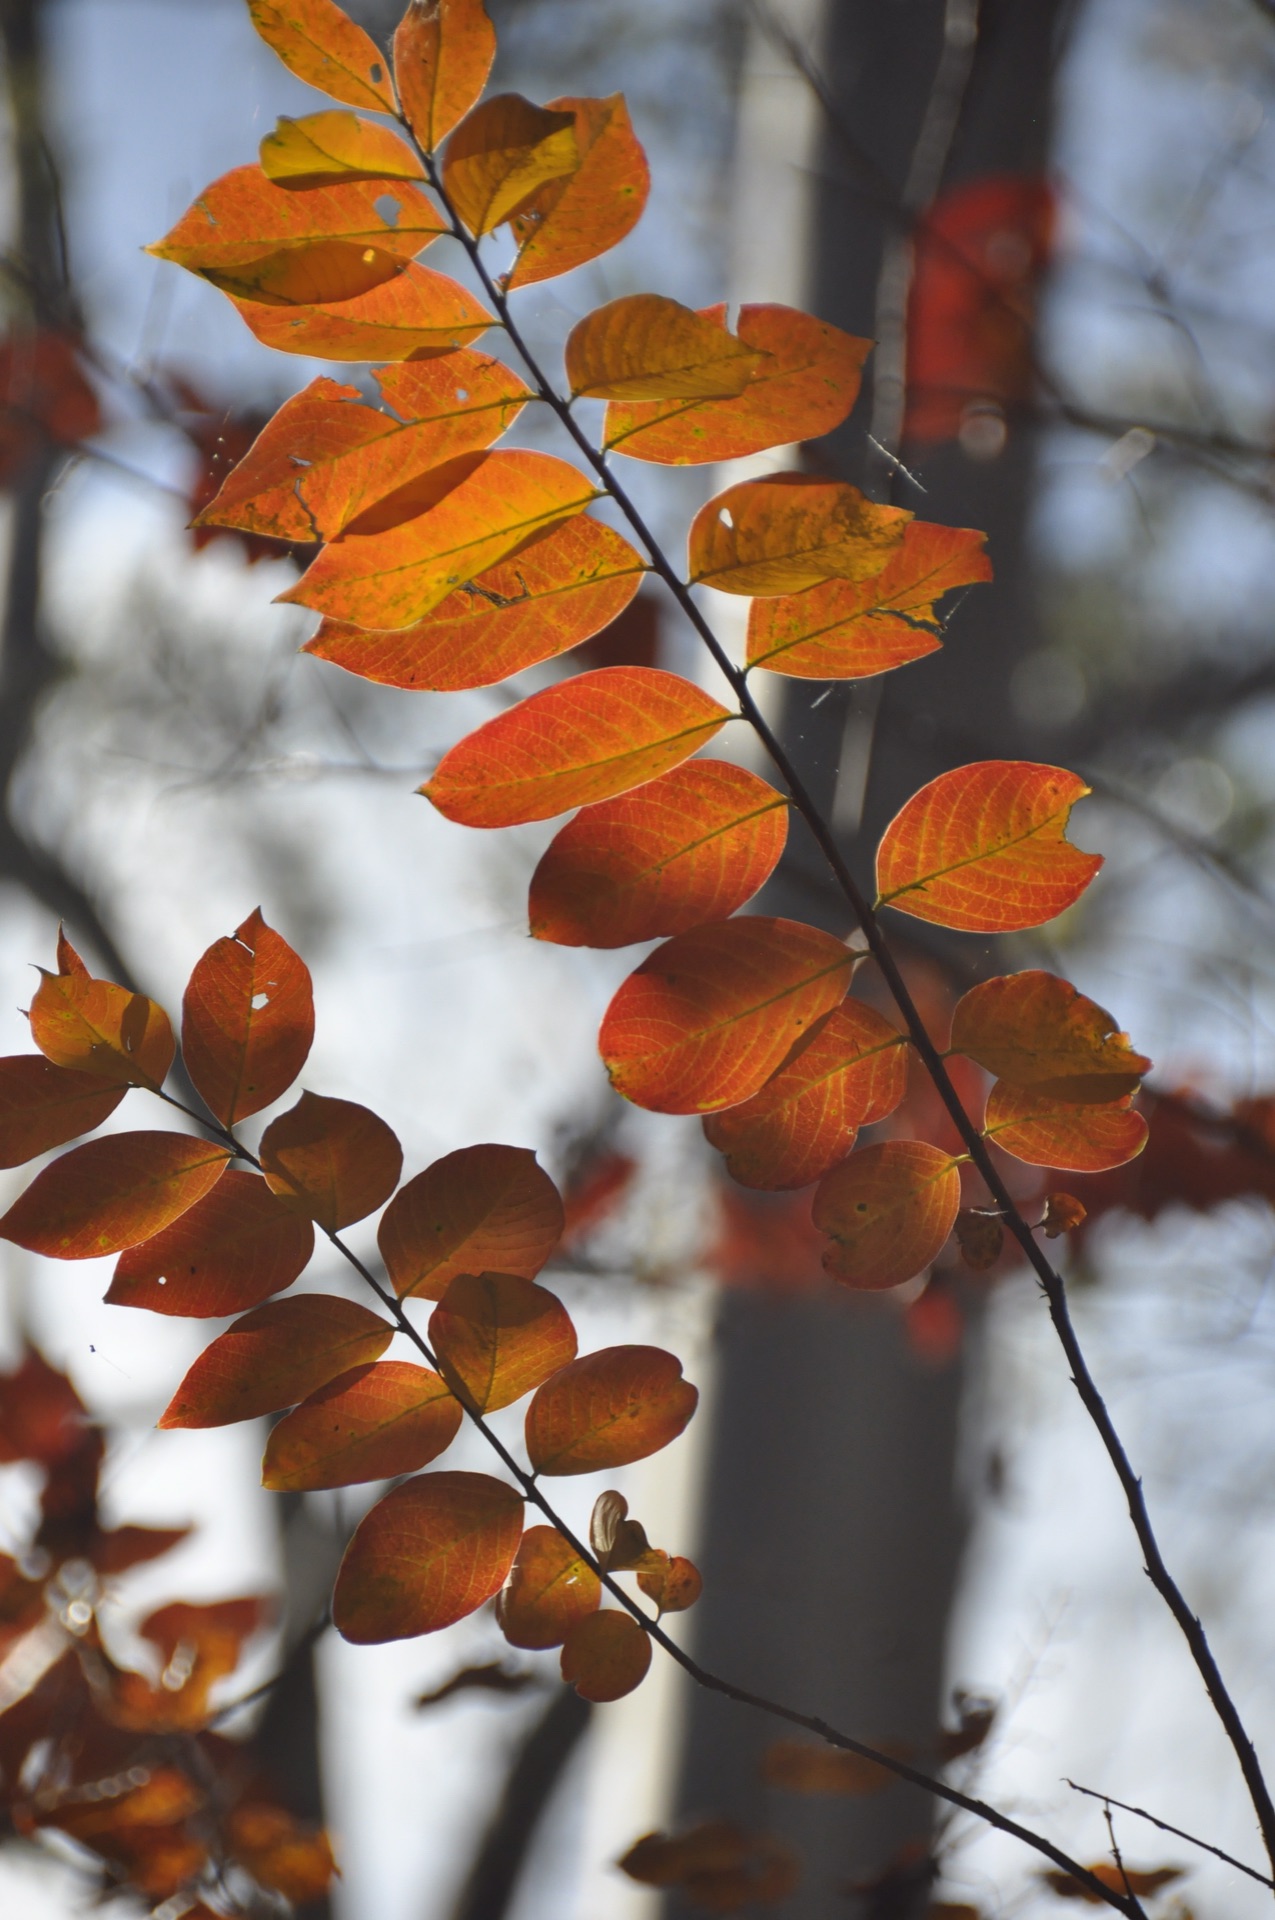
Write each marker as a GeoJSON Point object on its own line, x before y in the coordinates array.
{"type": "Point", "coordinates": [1179, 1833]}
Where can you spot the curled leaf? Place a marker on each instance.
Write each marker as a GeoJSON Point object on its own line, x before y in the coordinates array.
{"type": "Point", "coordinates": [427, 1554]}
{"type": "Point", "coordinates": [550, 1589]}
{"type": "Point", "coordinates": [579, 215]}
{"type": "Point", "coordinates": [608, 1409]}
{"type": "Point", "coordinates": [980, 1236]}
{"type": "Point", "coordinates": [1037, 1031]}
{"type": "Point", "coordinates": [501, 153]}
{"type": "Point", "coordinates": [331, 1159]}
{"type": "Point", "coordinates": [605, 1656]}
{"type": "Point", "coordinates": [371, 1423]}
{"type": "Point", "coordinates": [1063, 1214]}
{"type": "Point", "coordinates": [93, 1026]}
{"type": "Point", "coordinates": [618, 1542]}
{"type": "Point", "coordinates": [672, 1581]}
{"type": "Point", "coordinates": [888, 1210]}
{"type": "Point", "coordinates": [497, 1336]}
{"type": "Point", "coordinates": [275, 1356]}
{"type": "Point", "coordinates": [323, 148]}
{"type": "Point", "coordinates": [789, 532]}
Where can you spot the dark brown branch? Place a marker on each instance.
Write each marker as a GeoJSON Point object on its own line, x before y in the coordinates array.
{"type": "Point", "coordinates": [1179, 1833]}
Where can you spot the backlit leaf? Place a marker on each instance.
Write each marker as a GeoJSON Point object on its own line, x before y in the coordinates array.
{"type": "Point", "coordinates": [646, 347]}
{"type": "Point", "coordinates": [1036, 1031]}
{"type": "Point", "coordinates": [323, 148]}
{"type": "Point", "coordinates": [1049, 1132]}
{"type": "Point", "coordinates": [331, 1159]}
{"type": "Point", "coordinates": [582, 214]}
{"type": "Point", "coordinates": [789, 532]}
{"type": "Point", "coordinates": [671, 1580]}
{"type": "Point", "coordinates": [244, 216]}
{"type": "Point", "coordinates": [486, 1208]}
{"type": "Point", "coordinates": [605, 1656]}
{"type": "Point", "coordinates": [43, 1106]}
{"type": "Point", "coordinates": [888, 1210]}
{"type": "Point", "coordinates": [371, 1423]}
{"type": "Point", "coordinates": [408, 317]}
{"type": "Point", "coordinates": [429, 1553]}
{"type": "Point", "coordinates": [709, 1016]}
{"type": "Point", "coordinates": [112, 1193]}
{"type": "Point", "coordinates": [443, 50]}
{"type": "Point", "coordinates": [559, 589]}
{"type": "Point", "coordinates": [804, 386]}
{"type": "Point", "coordinates": [403, 556]}
{"type": "Point", "coordinates": [618, 1542]}
{"type": "Point", "coordinates": [497, 1336]}
{"type": "Point", "coordinates": [982, 848]}
{"type": "Point", "coordinates": [847, 630]}
{"type": "Point", "coordinates": [501, 153]}
{"type": "Point", "coordinates": [275, 1356]}
{"type": "Point", "coordinates": [691, 846]}
{"type": "Point", "coordinates": [93, 1026]}
{"type": "Point", "coordinates": [580, 741]}
{"type": "Point", "coordinates": [325, 458]}
{"type": "Point", "coordinates": [550, 1589]}
{"type": "Point", "coordinates": [323, 46]}
{"type": "Point", "coordinates": [247, 1020]}
{"type": "Point", "coordinates": [230, 1251]}
{"type": "Point", "coordinates": [608, 1409]}
{"type": "Point", "coordinates": [850, 1071]}
{"type": "Point", "coordinates": [1141, 1883]}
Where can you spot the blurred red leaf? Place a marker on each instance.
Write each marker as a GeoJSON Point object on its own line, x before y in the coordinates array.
{"type": "Point", "coordinates": [44, 399]}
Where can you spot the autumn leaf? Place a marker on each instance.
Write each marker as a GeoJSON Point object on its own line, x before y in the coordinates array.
{"type": "Point", "coordinates": [228, 1252]}
{"type": "Point", "coordinates": [324, 47]}
{"type": "Point", "coordinates": [1047, 1131]}
{"type": "Point", "coordinates": [331, 1159]}
{"type": "Point", "coordinates": [278, 1850]}
{"type": "Point", "coordinates": [427, 1554]}
{"type": "Point", "coordinates": [848, 629]}
{"type": "Point", "coordinates": [44, 398]}
{"type": "Point", "coordinates": [247, 1021]}
{"type": "Point", "coordinates": [559, 588]}
{"type": "Point", "coordinates": [887, 1210]}
{"type": "Point", "coordinates": [500, 154]}
{"type": "Point", "coordinates": [646, 347]}
{"type": "Point", "coordinates": [982, 848]}
{"type": "Point", "coordinates": [690, 846]}
{"type": "Point", "coordinates": [1063, 1214]}
{"type": "Point", "coordinates": [93, 1026]}
{"type": "Point", "coordinates": [112, 1193]}
{"type": "Point", "coordinates": [325, 148]}
{"type": "Point", "coordinates": [715, 1865]}
{"type": "Point", "coordinates": [407, 316]}
{"type": "Point", "coordinates": [804, 385]}
{"type": "Point", "coordinates": [577, 216]}
{"type": "Point", "coordinates": [1038, 1032]}
{"type": "Point", "coordinates": [550, 1589]}
{"type": "Point", "coordinates": [274, 1357]}
{"type": "Point", "coordinates": [789, 532]}
{"type": "Point", "coordinates": [981, 1238]}
{"type": "Point", "coordinates": [672, 1581]}
{"type": "Point", "coordinates": [1141, 1883]}
{"type": "Point", "coordinates": [497, 1336]}
{"type": "Point", "coordinates": [850, 1070]}
{"type": "Point", "coordinates": [618, 1542]}
{"type": "Point", "coordinates": [371, 1423]}
{"type": "Point", "coordinates": [608, 1409]}
{"type": "Point", "coordinates": [806, 1766]}
{"type": "Point", "coordinates": [709, 1016]}
{"type": "Point", "coordinates": [43, 1106]}
{"type": "Point", "coordinates": [605, 1655]}
{"type": "Point", "coordinates": [244, 216]}
{"type": "Point", "coordinates": [485, 1208]}
{"type": "Point", "coordinates": [443, 50]}
{"type": "Point", "coordinates": [583, 740]}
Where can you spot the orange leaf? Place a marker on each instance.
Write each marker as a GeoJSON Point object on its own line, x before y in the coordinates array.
{"type": "Point", "coordinates": [403, 556]}
{"type": "Point", "coordinates": [605, 1656]}
{"type": "Point", "coordinates": [709, 1016]}
{"type": "Point", "coordinates": [1047, 1131]}
{"type": "Point", "coordinates": [582, 740]}
{"type": "Point", "coordinates": [274, 1357]}
{"type": "Point", "coordinates": [802, 1766]}
{"type": "Point", "coordinates": [497, 1336]}
{"type": "Point", "coordinates": [1035, 1030]}
{"type": "Point", "coordinates": [982, 848]}
{"type": "Point", "coordinates": [93, 1026]}
{"type": "Point", "coordinates": [560, 588]}
{"type": "Point", "coordinates": [427, 1554]}
{"type": "Point", "coordinates": [672, 1581]}
{"type": "Point", "coordinates": [43, 1106]}
{"type": "Point", "coordinates": [331, 1159]}
{"type": "Point", "coordinates": [371, 1423]}
{"type": "Point", "coordinates": [323, 148]}
{"type": "Point", "coordinates": [1141, 1883]}
{"type": "Point", "coordinates": [243, 216]}
{"type": "Point", "coordinates": [888, 1210]}
{"type": "Point", "coordinates": [805, 385]}
{"type": "Point", "coordinates": [716, 1865]}
{"type": "Point", "coordinates": [480, 1209]}
{"type": "Point", "coordinates": [582, 214]}
{"type": "Point", "coordinates": [645, 347]}
{"type": "Point", "coordinates": [608, 1409]}
{"type": "Point", "coordinates": [693, 845]}
{"type": "Point", "coordinates": [443, 50]}
{"type": "Point", "coordinates": [325, 274]}
{"type": "Point", "coordinates": [501, 153]}
{"type": "Point", "coordinates": [247, 1020]}
{"type": "Point", "coordinates": [549, 1590]}
{"type": "Point", "coordinates": [850, 1070]}
{"type": "Point", "coordinates": [409, 316]}
{"type": "Point", "coordinates": [789, 532]}
{"type": "Point", "coordinates": [848, 630]}
{"type": "Point", "coordinates": [228, 1252]}
{"type": "Point", "coordinates": [279, 1851]}
{"type": "Point", "coordinates": [323, 46]}
{"type": "Point", "coordinates": [324, 458]}
{"type": "Point", "coordinates": [112, 1193]}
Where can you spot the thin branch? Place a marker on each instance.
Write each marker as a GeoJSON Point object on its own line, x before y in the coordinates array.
{"type": "Point", "coordinates": [1179, 1833]}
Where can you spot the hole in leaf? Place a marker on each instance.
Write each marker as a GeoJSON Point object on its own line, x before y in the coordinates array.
{"type": "Point", "coordinates": [260, 1000]}
{"type": "Point", "coordinates": [725, 518]}
{"type": "Point", "coordinates": [388, 209]}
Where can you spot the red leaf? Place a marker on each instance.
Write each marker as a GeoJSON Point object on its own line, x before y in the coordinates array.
{"type": "Point", "coordinates": [247, 1021]}
{"type": "Point", "coordinates": [112, 1193]}
{"type": "Point", "coordinates": [888, 1210]}
{"type": "Point", "coordinates": [42, 1417]}
{"type": "Point", "coordinates": [1037, 1031]}
{"type": "Point", "coordinates": [605, 1656]}
{"type": "Point", "coordinates": [576, 217]}
{"type": "Point", "coordinates": [231, 1250]}
{"type": "Point", "coordinates": [371, 1423]}
{"type": "Point", "coordinates": [44, 399]}
{"type": "Point", "coordinates": [427, 1554]}
{"type": "Point", "coordinates": [443, 50]}
{"type": "Point", "coordinates": [43, 1106]}
{"type": "Point", "coordinates": [124, 1547]}
{"type": "Point", "coordinates": [331, 1159]}
{"type": "Point", "coordinates": [550, 1589]}
{"type": "Point", "coordinates": [497, 1336]}
{"type": "Point", "coordinates": [479, 1209]}
{"type": "Point", "coordinates": [672, 1581]}
{"type": "Point", "coordinates": [608, 1409]}
{"type": "Point", "coordinates": [275, 1356]}
{"type": "Point", "coordinates": [1050, 1132]}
